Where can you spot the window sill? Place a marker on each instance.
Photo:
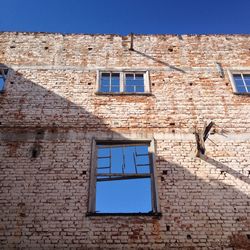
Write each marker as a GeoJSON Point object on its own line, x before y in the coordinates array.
{"type": "Point", "coordinates": [245, 94]}
{"type": "Point", "coordinates": [123, 93]}
{"type": "Point", "coordinates": [152, 214]}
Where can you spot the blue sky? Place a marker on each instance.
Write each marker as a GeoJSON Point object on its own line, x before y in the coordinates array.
{"type": "Point", "coordinates": [123, 17]}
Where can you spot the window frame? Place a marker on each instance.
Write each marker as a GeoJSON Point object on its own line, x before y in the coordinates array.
{"type": "Point", "coordinates": [231, 74]}
{"type": "Point", "coordinates": [3, 74]}
{"type": "Point", "coordinates": [93, 176]}
{"type": "Point", "coordinates": [147, 89]}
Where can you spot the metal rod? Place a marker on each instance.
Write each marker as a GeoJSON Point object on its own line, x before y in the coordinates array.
{"type": "Point", "coordinates": [131, 42]}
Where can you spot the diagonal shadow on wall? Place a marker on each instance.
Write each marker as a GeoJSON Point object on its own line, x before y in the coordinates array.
{"type": "Point", "coordinates": [44, 198]}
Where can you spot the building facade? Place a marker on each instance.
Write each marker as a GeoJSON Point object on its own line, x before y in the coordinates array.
{"type": "Point", "coordinates": [174, 107]}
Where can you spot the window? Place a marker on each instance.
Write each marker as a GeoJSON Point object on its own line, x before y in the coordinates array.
{"type": "Point", "coordinates": [3, 75]}
{"type": "Point", "coordinates": [241, 81]}
{"type": "Point", "coordinates": [123, 82]}
{"type": "Point", "coordinates": [122, 178]}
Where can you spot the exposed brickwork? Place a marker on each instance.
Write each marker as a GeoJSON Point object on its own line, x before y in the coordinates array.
{"type": "Point", "coordinates": [50, 111]}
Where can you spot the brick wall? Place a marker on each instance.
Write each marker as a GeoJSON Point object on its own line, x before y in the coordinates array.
{"type": "Point", "coordinates": [50, 105]}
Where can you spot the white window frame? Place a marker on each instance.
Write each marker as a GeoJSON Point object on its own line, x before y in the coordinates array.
{"type": "Point", "coordinates": [93, 174]}
{"type": "Point", "coordinates": [231, 74]}
{"type": "Point", "coordinates": [122, 81]}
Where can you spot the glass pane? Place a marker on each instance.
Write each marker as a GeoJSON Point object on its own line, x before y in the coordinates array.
{"type": "Point", "coordinates": [140, 89]}
{"type": "Point", "coordinates": [115, 82]}
{"type": "Point", "coordinates": [103, 151]}
{"type": "Point", "coordinates": [124, 196]}
{"type": "Point", "coordinates": [134, 83]}
{"type": "Point", "coordinates": [103, 162]}
{"type": "Point", "coordinates": [241, 89]}
{"type": "Point", "coordinates": [239, 84]}
{"type": "Point", "coordinates": [129, 76]}
{"type": "Point", "coordinates": [130, 82]}
{"type": "Point", "coordinates": [104, 89]}
{"type": "Point", "coordinates": [105, 84]}
{"type": "Point", "coordinates": [1, 83]}
{"type": "Point", "coordinates": [139, 82]}
{"type": "Point", "coordinates": [139, 76]}
{"type": "Point", "coordinates": [247, 81]}
{"type": "Point", "coordinates": [129, 89]}
{"type": "Point", "coordinates": [105, 75]}
{"type": "Point", "coordinates": [129, 159]}
{"type": "Point", "coordinates": [115, 89]}
{"type": "Point", "coordinates": [116, 160]}
{"type": "Point", "coordinates": [115, 75]}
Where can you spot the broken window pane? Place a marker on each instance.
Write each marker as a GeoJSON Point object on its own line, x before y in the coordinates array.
{"type": "Point", "coordinates": [124, 178]}
{"type": "Point", "coordinates": [123, 196]}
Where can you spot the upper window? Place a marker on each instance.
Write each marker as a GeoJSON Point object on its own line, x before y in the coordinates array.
{"type": "Point", "coordinates": [3, 74]}
{"type": "Point", "coordinates": [122, 179]}
{"type": "Point", "coordinates": [241, 81]}
{"type": "Point", "coordinates": [123, 82]}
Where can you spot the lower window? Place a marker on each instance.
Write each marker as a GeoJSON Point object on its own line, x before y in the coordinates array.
{"type": "Point", "coordinates": [122, 178]}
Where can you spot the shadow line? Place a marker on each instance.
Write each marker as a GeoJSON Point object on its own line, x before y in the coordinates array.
{"type": "Point", "coordinates": [159, 61]}
{"type": "Point", "coordinates": [226, 169]}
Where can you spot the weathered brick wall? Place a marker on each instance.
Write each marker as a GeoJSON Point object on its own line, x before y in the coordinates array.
{"type": "Point", "coordinates": [50, 105]}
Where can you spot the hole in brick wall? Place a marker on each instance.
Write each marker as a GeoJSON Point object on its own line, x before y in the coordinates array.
{"type": "Point", "coordinates": [189, 237]}
{"type": "Point", "coordinates": [21, 204]}
{"type": "Point", "coordinates": [165, 172]}
{"type": "Point", "coordinates": [90, 49]}
{"type": "Point", "coordinates": [153, 84]}
{"type": "Point", "coordinates": [34, 153]}
{"type": "Point", "coordinates": [168, 228]}
{"type": "Point", "coordinates": [40, 134]}
{"type": "Point", "coordinates": [227, 83]}
{"type": "Point", "coordinates": [13, 46]}
{"type": "Point", "coordinates": [46, 47]}
{"type": "Point", "coordinates": [213, 131]}
{"type": "Point", "coordinates": [190, 83]}
{"type": "Point", "coordinates": [83, 173]}
{"type": "Point", "coordinates": [173, 131]}
{"type": "Point", "coordinates": [89, 83]}
{"type": "Point", "coordinates": [171, 123]}
{"type": "Point", "coordinates": [190, 99]}
{"type": "Point", "coordinates": [248, 236]}
{"type": "Point", "coordinates": [170, 49]}
{"type": "Point", "coordinates": [11, 82]}
{"type": "Point", "coordinates": [162, 178]}
{"type": "Point", "coordinates": [0, 123]}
